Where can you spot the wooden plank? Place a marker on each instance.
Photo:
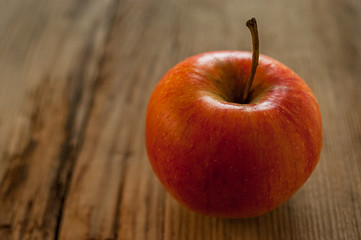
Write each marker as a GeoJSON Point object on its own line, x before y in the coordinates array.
{"type": "Point", "coordinates": [49, 57]}
{"type": "Point", "coordinates": [73, 163]}
{"type": "Point", "coordinates": [112, 185]}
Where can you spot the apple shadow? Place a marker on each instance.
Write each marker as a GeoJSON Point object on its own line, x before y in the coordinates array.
{"type": "Point", "coordinates": [280, 223]}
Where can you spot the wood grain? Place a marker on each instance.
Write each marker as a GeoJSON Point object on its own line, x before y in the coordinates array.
{"type": "Point", "coordinates": [50, 52]}
{"type": "Point", "coordinates": [75, 78]}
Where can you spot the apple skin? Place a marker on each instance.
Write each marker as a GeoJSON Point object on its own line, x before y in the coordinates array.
{"type": "Point", "coordinates": [222, 158]}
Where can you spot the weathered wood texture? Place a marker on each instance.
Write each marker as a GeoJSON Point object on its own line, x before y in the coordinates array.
{"type": "Point", "coordinates": [75, 78]}
{"type": "Point", "coordinates": [50, 53]}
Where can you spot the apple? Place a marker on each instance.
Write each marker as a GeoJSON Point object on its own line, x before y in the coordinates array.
{"type": "Point", "coordinates": [229, 141]}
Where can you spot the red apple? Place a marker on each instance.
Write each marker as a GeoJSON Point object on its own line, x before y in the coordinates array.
{"type": "Point", "coordinates": [226, 151]}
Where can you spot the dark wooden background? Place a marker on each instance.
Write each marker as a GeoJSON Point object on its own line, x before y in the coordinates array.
{"type": "Point", "coordinates": [75, 79]}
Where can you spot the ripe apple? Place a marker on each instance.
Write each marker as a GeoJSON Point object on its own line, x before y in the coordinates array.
{"type": "Point", "coordinates": [229, 141]}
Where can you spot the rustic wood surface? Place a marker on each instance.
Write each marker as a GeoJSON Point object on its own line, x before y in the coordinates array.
{"type": "Point", "coordinates": [75, 78]}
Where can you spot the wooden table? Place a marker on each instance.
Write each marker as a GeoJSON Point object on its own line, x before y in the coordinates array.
{"type": "Point", "coordinates": [75, 78]}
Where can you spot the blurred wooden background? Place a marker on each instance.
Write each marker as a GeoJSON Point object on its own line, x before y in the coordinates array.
{"type": "Point", "coordinates": [75, 78]}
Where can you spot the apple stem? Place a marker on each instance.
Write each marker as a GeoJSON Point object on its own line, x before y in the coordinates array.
{"type": "Point", "coordinates": [252, 25]}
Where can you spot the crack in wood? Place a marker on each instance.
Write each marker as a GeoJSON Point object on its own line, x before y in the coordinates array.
{"type": "Point", "coordinates": [18, 168]}
{"type": "Point", "coordinates": [70, 152]}
{"type": "Point", "coordinates": [70, 149]}
{"type": "Point", "coordinates": [116, 226]}
{"type": "Point", "coordinates": [17, 172]}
